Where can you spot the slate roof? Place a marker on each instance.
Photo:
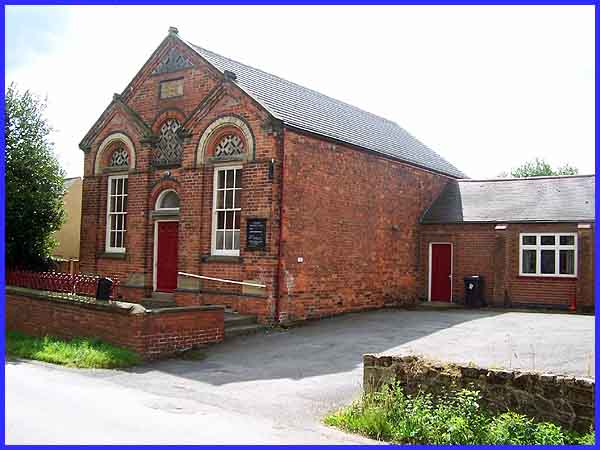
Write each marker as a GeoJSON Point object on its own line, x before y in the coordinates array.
{"type": "Point", "coordinates": [536, 199]}
{"type": "Point", "coordinates": [311, 111]}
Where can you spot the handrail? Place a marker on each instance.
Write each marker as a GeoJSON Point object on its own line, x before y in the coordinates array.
{"type": "Point", "coordinates": [221, 280]}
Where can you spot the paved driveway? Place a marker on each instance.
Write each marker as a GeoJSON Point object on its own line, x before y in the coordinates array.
{"type": "Point", "coordinates": [275, 387]}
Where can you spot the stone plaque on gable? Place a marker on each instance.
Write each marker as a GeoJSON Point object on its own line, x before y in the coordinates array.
{"type": "Point", "coordinates": [171, 88]}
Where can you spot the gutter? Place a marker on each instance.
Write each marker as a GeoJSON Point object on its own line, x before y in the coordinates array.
{"type": "Point", "coordinates": [279, 250]}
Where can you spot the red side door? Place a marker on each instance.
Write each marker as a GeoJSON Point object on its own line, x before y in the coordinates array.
{"type": "Point", "coordinates": [166, 256]}
{"type": "Point", "coordinates": [441, 272]}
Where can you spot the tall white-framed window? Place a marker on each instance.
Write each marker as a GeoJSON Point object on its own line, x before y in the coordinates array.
{"type": "Point", "coordinates": [116, 214]}
{"type": "Point", "coordinates": [226, 210]}
{"type": "Point", "coordinates": [548, 254]}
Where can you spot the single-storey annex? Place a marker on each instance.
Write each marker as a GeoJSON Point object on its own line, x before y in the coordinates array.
{"type": "Point", "coordinates": [207, 166]}
{"type": "Point", "coordinates": [532, 240]}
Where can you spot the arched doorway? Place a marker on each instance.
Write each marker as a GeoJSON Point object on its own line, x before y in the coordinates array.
{"type": "Point", "coordinates": [166, 241]}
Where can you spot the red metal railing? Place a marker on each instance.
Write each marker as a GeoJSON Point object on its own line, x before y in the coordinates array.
{"type": "Point", "coordinates": [59, 282]}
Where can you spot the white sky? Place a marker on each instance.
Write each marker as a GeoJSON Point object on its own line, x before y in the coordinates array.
{"type": "Point", "coordinates": [486, 87]}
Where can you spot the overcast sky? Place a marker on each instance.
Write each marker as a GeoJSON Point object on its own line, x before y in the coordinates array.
{"type": "Point", "coordinates": [486, 87]}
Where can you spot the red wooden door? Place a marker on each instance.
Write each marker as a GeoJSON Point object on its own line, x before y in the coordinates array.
{"type": "Point", "coordinates": [166, 256]}
{"type": "Point", "coordinates": [441, 272]}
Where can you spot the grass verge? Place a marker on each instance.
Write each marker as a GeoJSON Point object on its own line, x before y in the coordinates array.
{"type": "Point", "coordinates": [455, 418]}
{"type": "Point", "coordinates": [78, 352]}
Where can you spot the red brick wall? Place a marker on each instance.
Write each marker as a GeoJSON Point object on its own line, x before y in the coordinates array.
{"type": "Point", "coordinates": [143, 96]}
{"type": "Point", "coordinates": [479, 249]}
{"type": "Point", "coordinates": [341, 206]}
{"type": "Point", "coordinates": [152, 335]}
{"type": "Point", "coordinates": [472, 254]}
{"type": "Point", "coordinates": [194, 184]}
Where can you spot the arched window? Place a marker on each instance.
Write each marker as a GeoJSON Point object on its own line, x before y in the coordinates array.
{"type": "Point", "coordinates": [168, 200]}
{"type": "Point", "coordinates": [227, 138]}
{"type": "Point", "coordinates": [169, 147]}
{"type": "Point", "coordinates": [119, 157]}
{"type": "Point", "coordinates": [116, 152]}
{"type": "Point", "coordinates": [229, 145]}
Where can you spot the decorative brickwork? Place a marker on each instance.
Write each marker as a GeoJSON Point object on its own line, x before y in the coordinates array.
{"type": "Point", "coordinates": [173, 61]}
{"type": "Point", "coordinates": [119, 158]}
{"type": "Point", "coordinates": [194, 185]}
{"type": "Point", "coordinates": [169, 147]}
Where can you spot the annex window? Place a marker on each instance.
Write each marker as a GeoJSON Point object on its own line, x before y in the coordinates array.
{"type": "Point", "coordinates": [116, 214]}
{"type": "Point", "coordinates": [548, 254]}
{"type": "Point", "coordinates": [226, 211]}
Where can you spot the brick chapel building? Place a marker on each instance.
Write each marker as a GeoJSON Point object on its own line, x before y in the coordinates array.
{"type": "Point", "coordinates": [207, 166]}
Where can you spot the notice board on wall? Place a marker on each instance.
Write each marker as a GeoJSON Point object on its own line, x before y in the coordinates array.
{"type": "Point", "coordinates": [256, 234]}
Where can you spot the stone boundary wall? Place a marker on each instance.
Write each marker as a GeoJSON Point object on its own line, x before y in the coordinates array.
{"type": "Point", "coordinates": [568, 401]}
{"type": "Point", "coordinates": [151, 333]}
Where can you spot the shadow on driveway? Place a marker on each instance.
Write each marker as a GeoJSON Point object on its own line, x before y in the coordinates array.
{"type": "Point", "coordinates": [317, 348]}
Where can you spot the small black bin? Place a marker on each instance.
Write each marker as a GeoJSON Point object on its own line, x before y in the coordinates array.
{"type": "Point", "coordinates": [103, 289]}
{"type": "Point", "coordinates": [474, 291]}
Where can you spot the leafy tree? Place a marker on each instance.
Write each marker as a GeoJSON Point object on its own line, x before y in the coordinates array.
{"type": "Point", "coordinates": [34, 182]}
{"type": "Point", "coordinates": [539, 167]}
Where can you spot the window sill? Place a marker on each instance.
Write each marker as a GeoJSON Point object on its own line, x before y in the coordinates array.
{"type": "Point", "coordinates": [112, 255]}
{"type": "Point", "coordinates": [221, 259]}
{"type": "Point", "coordinates": [226, 159]}
{"type": "Point", "coordinates": [116, 170]}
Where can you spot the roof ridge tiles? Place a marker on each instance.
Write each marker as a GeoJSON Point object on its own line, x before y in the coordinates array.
{"type": "Point", "coordinates": [543, 177]}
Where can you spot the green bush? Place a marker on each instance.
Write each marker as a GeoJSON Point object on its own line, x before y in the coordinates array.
{"type": "Point", "coordinates": [549, 434]}
{"type": "Point", "coordinates": [452, 418]}
{"type": "Point", "coordinates": [586, 439]}
{"type": "Point", "coordinates": [511, 428]}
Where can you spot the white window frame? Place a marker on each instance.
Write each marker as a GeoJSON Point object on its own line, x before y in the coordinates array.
{"type": "Point", "coordinates": [160, 199]}
{"type": "Point", "coordinates": [214, 250]}
{"type": "Point", "coordinates": [539, 247]}
{"type": "Point", "coordinates": [108, 247]}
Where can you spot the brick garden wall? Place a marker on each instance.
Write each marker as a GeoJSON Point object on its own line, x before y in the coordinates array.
{"type": "Point", "coordinates": [480, 249]}
{"type": "Point", "coordinates": [568, 401]}
{"type": "Point", "coordinates": [152, 334]}
{"type": "Point", "coordinates": [353, 217]}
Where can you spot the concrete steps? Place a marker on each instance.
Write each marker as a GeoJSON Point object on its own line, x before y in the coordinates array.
{"type": "Point", "coordinates": [159, 300]}
{"type": "Point", "coordinates": [240, 324]}
{"type": "Point", "coordinates": [439, 306]}
{"type": "Point", "coordinates": [235, 324]}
